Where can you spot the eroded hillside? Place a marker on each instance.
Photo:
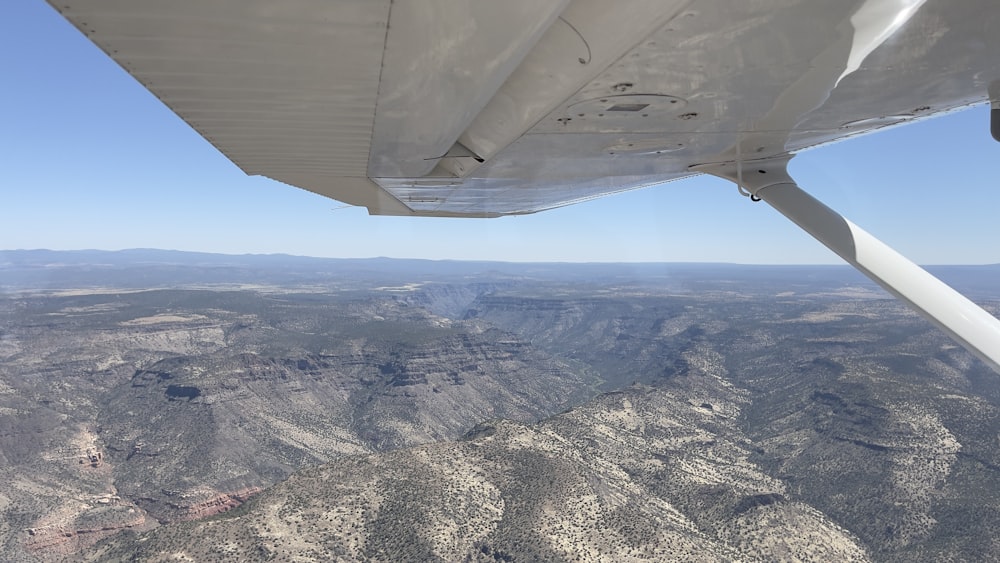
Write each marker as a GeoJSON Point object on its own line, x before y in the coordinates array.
{"type": "Point", "coordinates": [747, 413]}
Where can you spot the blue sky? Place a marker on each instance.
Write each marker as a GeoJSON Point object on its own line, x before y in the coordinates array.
{"type": "Point", "coordinates": [91, 160]}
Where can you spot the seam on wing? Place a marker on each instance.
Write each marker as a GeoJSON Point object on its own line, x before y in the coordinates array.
{"type": "Point", "coordinates": [378, 92]}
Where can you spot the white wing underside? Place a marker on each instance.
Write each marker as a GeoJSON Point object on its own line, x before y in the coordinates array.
{"type": "Point", "coordinates": [484, 108]}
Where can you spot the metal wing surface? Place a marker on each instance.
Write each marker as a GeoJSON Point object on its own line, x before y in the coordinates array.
{"type": "Point", "coordinates": [484, 108]}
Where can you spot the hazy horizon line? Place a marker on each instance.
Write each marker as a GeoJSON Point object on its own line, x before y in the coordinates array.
{"type": "Point", "coordinates": [483, 260]}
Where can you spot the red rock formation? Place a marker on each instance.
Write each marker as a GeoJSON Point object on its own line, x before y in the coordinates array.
{"type": "Point", "coordinates": [54, 537]}
{"type": "Point", "coordinates": [223, 502]}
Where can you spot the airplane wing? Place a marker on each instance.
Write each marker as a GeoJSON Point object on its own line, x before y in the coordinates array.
{"type": "Point", "coordinates": [479, 108]}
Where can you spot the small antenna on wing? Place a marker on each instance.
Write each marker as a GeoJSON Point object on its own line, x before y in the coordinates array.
{"type": "Point", "coordinates": [585, 44]}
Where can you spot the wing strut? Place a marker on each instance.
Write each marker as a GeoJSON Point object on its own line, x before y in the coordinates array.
{"type": "Point", "coordinates": [971, 326]}
{"type": "Point", "coordinates": [994, 92]}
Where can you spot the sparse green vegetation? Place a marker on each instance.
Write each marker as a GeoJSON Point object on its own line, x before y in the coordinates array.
{"type": "Point", "coordinates": [823, 424]}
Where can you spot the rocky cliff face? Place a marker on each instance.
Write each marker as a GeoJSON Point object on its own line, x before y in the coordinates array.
{"type": "Point", "coordinates": [819, 421]}
{"type": "Point", "coordinates": [247, 420]}
{"type": "Point", "coordinates": [180, 404]}
{"type": "Point", "coordinates": [771, 428]}
{"type": "Point", "coordinates": [641, 474]}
